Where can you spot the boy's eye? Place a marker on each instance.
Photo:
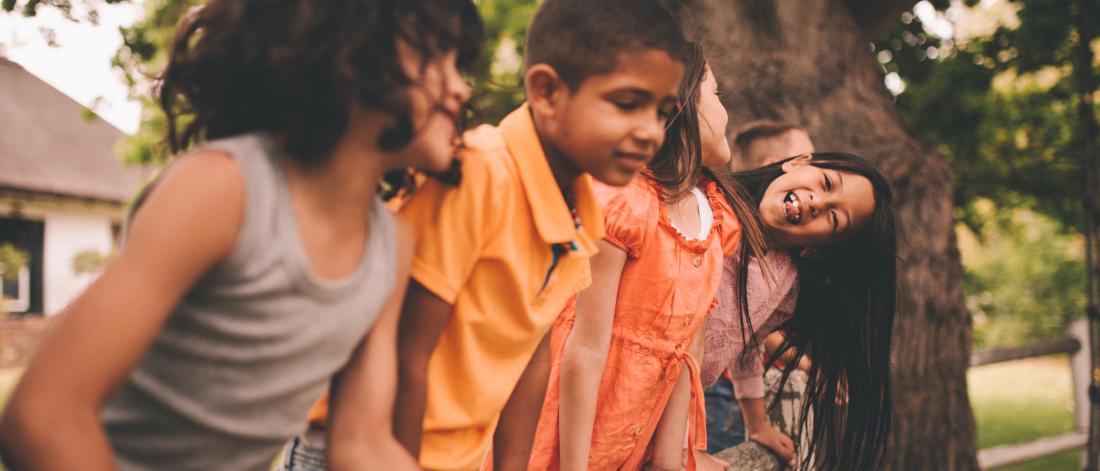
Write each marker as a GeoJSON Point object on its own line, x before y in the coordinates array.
{"type": "Point", "coordinates": [626, 105]}
{"type": "Point", "coordinates": [828, 184]}
{"type": "Point", "coordinates": [836, 220]}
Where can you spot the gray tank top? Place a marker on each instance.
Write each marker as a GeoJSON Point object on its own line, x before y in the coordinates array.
{"type": "Point", "coordinates": [253, 344]}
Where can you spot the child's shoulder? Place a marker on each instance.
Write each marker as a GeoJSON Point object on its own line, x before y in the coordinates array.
{"type": "Point", "coordinates": [630, 212]}
{"type": "Point", "coordinates": [637, 195]}
{"type": "Point", "coordinates": [484, 157]}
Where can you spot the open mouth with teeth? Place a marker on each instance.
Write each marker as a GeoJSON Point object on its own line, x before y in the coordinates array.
{"type": "Point", "coordinates": [792, 208]}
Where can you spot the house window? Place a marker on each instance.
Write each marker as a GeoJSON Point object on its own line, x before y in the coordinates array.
{"type": "Point", "coordinates": [16, 292]}
{"type": "Point", "coordinates": [25, 292]}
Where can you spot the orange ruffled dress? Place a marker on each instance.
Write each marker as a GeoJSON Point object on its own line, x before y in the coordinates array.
{"type": "Point", "coordinates": [668, 285]}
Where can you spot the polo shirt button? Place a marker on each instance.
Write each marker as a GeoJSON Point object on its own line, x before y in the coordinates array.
{"type": "Point", "coordinates": [698, 261]}
{"type": "Point", "coordinates": [638, 430]}
{"type": "Point", "coordinates": [687, 320]}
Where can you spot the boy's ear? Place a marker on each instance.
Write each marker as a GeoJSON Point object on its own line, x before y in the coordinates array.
{"type": "Point", "coordinates": [809, 252]}
{"type": "Point", "coordinates": [797, 162]}
{"type": "Point", "coordinates": [545, 88]}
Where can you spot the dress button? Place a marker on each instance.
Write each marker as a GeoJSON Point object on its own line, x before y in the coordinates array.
{"type": "Point", "coordinates": [687, 320]}
{"type": "Point", "coordinates": [638, 430]}
{"type": "Point", "coordinates": [698, 261]}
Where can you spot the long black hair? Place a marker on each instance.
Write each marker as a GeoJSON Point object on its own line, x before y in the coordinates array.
{"type": "Point", "coordinates": [678, 165]}
{"type": "Point", "coordinates": [843, 321]}
{"type": "Point", "coordinates": [296, 67]}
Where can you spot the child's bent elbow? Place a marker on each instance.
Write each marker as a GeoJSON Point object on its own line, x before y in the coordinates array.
{"type": "Point", "coordinates": [21, 427]}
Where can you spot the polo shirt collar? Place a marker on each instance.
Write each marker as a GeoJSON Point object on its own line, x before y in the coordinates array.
{"type": "Point", "coordinates": [553, 219]}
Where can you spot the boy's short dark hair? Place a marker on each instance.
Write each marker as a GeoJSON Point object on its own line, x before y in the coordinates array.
{"type": "Point", "coordinates": [761, 129]}
{"type": "Point", "coordinates": [582, 38]}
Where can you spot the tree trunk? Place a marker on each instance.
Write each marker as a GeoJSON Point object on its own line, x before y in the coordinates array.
{"type": "Point", "coordinates": [809, 62]}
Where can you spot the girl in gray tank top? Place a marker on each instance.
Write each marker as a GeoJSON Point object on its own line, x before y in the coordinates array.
{"type": "Point", "coordinates": [261, 270]}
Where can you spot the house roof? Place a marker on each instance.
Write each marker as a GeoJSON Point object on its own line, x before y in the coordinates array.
{"type": "Point", "coordinates": [47, 146]}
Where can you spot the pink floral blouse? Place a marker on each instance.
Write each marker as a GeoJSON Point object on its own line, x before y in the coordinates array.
{"type": "Point", "coordinates": [771, 303]}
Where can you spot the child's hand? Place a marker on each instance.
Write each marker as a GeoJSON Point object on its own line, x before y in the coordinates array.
{"type": "Point", "coordinates": [776, 441]}
{"type": "Point", "coordinates": [706, 462]}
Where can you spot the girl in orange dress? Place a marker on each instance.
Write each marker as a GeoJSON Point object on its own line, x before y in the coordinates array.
{"type": "Point", "coordinates": [624, 378]}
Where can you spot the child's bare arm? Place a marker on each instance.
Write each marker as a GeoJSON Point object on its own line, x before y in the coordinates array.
{"type": "Point", "coordinates": [760, 430]}
{"type": "Point", "coordinates": [515, 432]}
{"type": "Point", "coordinates": [586, 355]}
{"type": "Point", "coordinates": [668, 439]}
{"type": "Point", "coordinates": [423, 318]}
{"type": "Point", "coordinates": [188, 223]}
{"type": "Point", "coordinates": [361, 420]}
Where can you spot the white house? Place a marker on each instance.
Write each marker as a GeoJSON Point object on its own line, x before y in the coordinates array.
{"type": "Point", "coordinates": [63, 190]}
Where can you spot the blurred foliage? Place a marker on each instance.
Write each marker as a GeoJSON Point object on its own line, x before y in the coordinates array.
{"type": "Point", "coordinates": [1024, 278]}
{"type": "Point", "coordinates": [498, 76]}
{"type": "Point", "coordinates": [1001, 107]}
{"type": "Point", "coordinates": [88, 261]}
{"type": "Point", "coordinates": [11, 261]}
{"type": "Point", "coordinates": [75, 10]}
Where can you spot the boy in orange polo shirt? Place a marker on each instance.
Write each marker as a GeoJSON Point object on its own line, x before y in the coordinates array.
{"type": "Point", "coordinates": [499, 255]}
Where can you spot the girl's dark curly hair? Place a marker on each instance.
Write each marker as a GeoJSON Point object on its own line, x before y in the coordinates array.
{"type": "Point", "coordinates": [295, 68]}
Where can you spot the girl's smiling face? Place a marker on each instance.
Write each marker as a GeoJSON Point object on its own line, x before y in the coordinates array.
{"type": "Point", "coordinates": [809, 206]}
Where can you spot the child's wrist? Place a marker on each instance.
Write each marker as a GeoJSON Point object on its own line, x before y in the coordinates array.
{"type": "Point", "coordinates": [755, 427]}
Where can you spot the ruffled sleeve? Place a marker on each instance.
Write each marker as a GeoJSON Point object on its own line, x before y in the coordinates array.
{"type": "Point", "coordinates": [628, 212]}
{"type": "Point", "coordinates": [725, 220]}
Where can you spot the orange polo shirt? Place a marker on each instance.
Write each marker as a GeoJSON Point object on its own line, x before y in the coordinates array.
{"type": "Point", "coordinates": [504, 249]}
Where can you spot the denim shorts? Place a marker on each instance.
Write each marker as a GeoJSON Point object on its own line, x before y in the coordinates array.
{"type": "Point", "coordinates": [724, 425]}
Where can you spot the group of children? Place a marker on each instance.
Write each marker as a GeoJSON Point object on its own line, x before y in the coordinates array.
{"type": "Point", "coordinates": [553, 293]}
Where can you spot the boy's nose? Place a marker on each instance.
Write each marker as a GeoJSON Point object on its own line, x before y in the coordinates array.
{"type": "Point", "coordinates": [460, 89]}
{"type": "Point", "coordinates": [653, 131]}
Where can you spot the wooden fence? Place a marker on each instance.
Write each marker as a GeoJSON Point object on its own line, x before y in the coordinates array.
{"type": "Point", "coordinates": [1076, 346]}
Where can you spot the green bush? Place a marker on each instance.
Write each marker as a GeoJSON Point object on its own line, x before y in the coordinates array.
{"type": "Point", "coordinates": [1024, 275]}
{"type": "Point", "coordinates": [11, 261]}
{"type": "Point", "coordinates": [88, 261]}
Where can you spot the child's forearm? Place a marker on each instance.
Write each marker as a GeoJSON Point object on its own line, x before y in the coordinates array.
{"type": "Point", "coordinates": [753, 414]}
{"type": "Point", "coordinates": [56, 438]}
{"type": "Point", "coordinates": [515, 432]}
{"type": "Point", "coordinates": [668, 439]}
{"type": "Point", "coordinates": [408, 417]}
{"type": "Point", "coordinates": [422, 321]}
{"type": "Point", "coordinates": [581, 371]}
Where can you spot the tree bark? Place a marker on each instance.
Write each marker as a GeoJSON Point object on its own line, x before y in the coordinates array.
{"type": "Point", "coordinates": [809, 62]}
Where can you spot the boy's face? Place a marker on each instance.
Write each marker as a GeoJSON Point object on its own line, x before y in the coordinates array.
{"type": "Point", "coordinates": [613, 124]}
{"type": "Point", "coordinates": [764, 151]}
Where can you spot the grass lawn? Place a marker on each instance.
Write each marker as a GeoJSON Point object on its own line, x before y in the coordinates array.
{"type": "Point", "coordinates": [1021, 401]}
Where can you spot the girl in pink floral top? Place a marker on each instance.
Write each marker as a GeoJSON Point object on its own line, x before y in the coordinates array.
{"type": "Point", "coordinates": [829, 284]}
